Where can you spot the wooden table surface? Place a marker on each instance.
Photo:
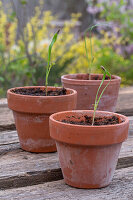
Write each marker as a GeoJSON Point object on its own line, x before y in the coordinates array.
{"type": "Point", "coordinates": [32, 176]}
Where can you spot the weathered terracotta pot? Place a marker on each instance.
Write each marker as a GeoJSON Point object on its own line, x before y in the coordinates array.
{"type": "Point", "coordinates": [88, 154]}
{"type": "Point", "coordinates": [31, 114]}
{"type": "Point", "coordinates": [87, 90]}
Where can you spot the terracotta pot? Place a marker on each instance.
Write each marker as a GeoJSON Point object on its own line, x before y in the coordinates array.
{"type": "Point", "coordinates": [87, 90]}
{"type": "Point", "coordinates": [31, 114]}
{"type": "Point", "coordinates": [88, 154]}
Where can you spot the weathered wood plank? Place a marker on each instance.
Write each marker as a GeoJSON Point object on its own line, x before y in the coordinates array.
{"type": "Point", "coordinates": [127, 148]}
{"type": "Point", "coordinates": [125, 101]}
{"type": "Point", "coordinates": [121, 188]}
{"type": "Point", "coordinates": [130, 125]}
{"type": "Point", "coordinates": [8, 137]}
{"type": "Point", "coordinates": [6, 116]}
{"type": "Point", "coordinates": [6, 119]}
{"type": "Point", "coordinates": [19, 168]}
{"type": "Point", "coordinates": [3, 102]}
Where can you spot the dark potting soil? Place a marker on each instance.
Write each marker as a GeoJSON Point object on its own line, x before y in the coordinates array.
{"type": "Point", "coordinates": [39, 92]}
{"type": "Point", "coordinates": [99, 78]}
{"type": "Point", "coordinates": [87, 121]}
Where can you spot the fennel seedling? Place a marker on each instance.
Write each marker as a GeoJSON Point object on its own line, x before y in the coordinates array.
{"type": "Point", "coordinates": [105, 72]}
{"type": "Point", "coordinates": [50, 64]}
{"type": "Point", "coordinates": [90, 62]}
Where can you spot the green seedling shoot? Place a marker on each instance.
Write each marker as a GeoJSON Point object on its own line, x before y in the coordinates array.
{"type": "Point", "coordinates": [105, 72]}
{"type": "Point", "coordinates": [90, 62]}
{"type": "Point", "coordinates": [50, 64]}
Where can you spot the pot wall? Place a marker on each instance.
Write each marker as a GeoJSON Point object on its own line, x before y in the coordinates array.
{"type": "Point", "coordinates": [31, 114]}
{"type": "Point", "coordinates": [33, 132]}
{"type": "Point", "coordinates": [88, 154]}
{"type": "Point", "coordinates": [87, 89]}
{"type": "Point", "coordinates": [88, 167]}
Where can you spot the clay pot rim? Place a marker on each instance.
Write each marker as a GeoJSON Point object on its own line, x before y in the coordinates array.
{"type": "Point", "coordinates": [126, 120]}
{"type": "Point", "coordinates": [88, 135]}
{"type": "Point", "coordinates": [67, 79]}
{"type": "Point", "coordinates": [9, 91]}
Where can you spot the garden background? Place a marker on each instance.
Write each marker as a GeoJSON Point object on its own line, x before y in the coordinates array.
{"type": "Point", "coordinates": [26, 28]}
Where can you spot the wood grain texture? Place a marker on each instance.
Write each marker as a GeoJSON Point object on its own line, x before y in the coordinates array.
{"type": "Point", "coordinates": [121, 188]}
{"type": "Point", "coordinates": [19, 168]}
{"type": "Point", "coordinates": [3, 102]}
{"type": "Point", "coordinates": [130, 125]}
{"type": "Point", "coordinates": [125, 101]}
{"type": "Point", "coordinates": [6, 119]}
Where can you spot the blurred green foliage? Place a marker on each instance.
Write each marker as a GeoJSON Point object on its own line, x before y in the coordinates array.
{"type": "Point", "coordinates": [23, 61]}
{"type": "Point", "coordinates": [120, 58]}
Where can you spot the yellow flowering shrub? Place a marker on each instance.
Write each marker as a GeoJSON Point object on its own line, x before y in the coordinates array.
{"type": "Point", "coordinates": [80, 64]}
{"type": "Point", "coordinates": [23, 61]}
{"type": "Point", "coordinates": [7, 35]}
{"type": "Point", "coordinates": [38, 32]}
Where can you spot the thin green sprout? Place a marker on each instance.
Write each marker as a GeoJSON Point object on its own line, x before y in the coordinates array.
{"type": "Point", "coordinates": [97, 101]}
{"type": "Point", "coordinates": [90, 62]}
{"type": "Point", "coordinates": [49, 64]}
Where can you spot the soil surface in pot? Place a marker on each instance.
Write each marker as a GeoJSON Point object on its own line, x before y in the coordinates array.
{"type": "Point", "coordinates": [87, 121]}
{"type": "Point", "coordinates": [39, 92]}
{"type": "Point", "coordinates": [93, 77]}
